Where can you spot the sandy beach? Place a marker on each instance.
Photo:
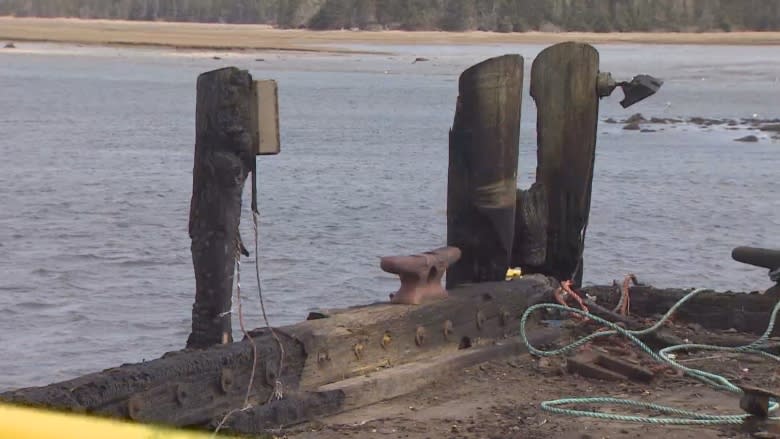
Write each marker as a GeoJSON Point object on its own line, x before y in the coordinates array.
{"type": "Point", "coordinates": [264, 37]}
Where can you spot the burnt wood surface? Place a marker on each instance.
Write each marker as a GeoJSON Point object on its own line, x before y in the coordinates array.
{"type": "Point", "coordinates": [553, 214]}
{"type": "Point", "coordinates": [224, 156]}
{"type": "Point", "coordinates": [181, 388]}
{"type": "Point", "coordinates": [377, 386]}
{"type": "Point", "coordinates": [482, 181]}
{"type": "Point", "coordinates": [194, 387]}
{"type": "Point", "coordinates": [712, 310]}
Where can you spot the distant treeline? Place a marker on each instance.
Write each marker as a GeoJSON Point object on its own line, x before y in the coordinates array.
{"type": "Point", "coordinates": [455, 15]}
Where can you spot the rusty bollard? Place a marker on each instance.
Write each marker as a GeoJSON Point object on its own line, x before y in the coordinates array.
{"type": "Point", "coordinates": [420, 274]}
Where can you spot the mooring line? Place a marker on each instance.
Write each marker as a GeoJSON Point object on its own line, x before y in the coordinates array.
{"type": "Point", "coordinates": [247, 335]}
{"type": "Point", "coordinates": [278, 392]}
{"type": "Point", "coordinates": [662, 356]}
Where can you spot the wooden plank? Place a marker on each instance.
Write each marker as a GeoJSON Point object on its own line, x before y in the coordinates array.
{"type": "Point", "coordinates": [584, 367]}
{"type": "Point", "coordinates": [391, 383]}
{"type": "Point", "coordinates": [632, 371]}
{"type": "Point", "coordinates": [482, 178]}
{"type": "Point", "coordinates": [378, 386]}
{"type": "Point", "coordinates": [224, 156]}
{"type": "Point", "coordinates": [563, 85]}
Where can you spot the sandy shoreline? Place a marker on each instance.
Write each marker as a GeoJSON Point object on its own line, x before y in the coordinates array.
{"type": "Point", "coordinates": [263, 37]}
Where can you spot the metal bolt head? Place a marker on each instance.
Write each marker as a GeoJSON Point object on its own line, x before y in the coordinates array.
{"type": "Point", "coordinates": [134, 406]}
{"type": "Point", "coordinates": [226, 380]}
{"type": "Point", "coordinates": [505, 316]}
{"type": "Point", "coordinates": [419, 336]}
{"type": "Point", "coordinates": [447, 329]}
{"type": "Point", "coordinates": [358, 350]}
{"type": "Point", "coordinates": [322, 357]}
{"type": "Point", "coordinates": [480, 319]}
{"type": "Point", "coordinates": [181, 394]}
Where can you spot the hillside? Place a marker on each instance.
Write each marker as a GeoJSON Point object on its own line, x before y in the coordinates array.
{"type": "Point", "coordinates": [453, 15]}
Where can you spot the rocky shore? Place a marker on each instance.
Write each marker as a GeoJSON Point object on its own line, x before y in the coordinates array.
{"type": "Point", "coordinates": [638, 122]}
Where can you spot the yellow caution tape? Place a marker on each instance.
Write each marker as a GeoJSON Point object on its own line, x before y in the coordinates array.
{"type": "Point", "coordinates": [512, 273]}
{"type": "Point", "coordinates": [30, 423]}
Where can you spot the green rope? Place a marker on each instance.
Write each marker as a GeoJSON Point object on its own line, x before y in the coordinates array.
{"type": "Point", "coordinates": [683, 417]}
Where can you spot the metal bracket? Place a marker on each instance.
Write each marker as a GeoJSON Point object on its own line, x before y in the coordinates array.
{"type": "Point", "coordinates": [639, 88]}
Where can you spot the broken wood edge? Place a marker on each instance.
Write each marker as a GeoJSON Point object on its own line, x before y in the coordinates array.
{"type": "Point", "coordinates": [747, 313]}
{"type": "Point", "coordinates": [382, 385]}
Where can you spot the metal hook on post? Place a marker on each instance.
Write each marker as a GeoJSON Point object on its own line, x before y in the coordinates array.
{"type": "Point", "coordinates": [638, 89]}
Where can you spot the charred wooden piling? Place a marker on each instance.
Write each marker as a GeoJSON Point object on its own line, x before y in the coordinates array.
{"type": "Point", "coordinates": [224, 156]}
{"type": "Point", "coordinates": [553, 214]}
{"type": "Point", "coordinates": [483, 169]}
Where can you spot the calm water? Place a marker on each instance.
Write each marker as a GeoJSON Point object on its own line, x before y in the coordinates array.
{"type": "Point", "coordinates": [97, 145]}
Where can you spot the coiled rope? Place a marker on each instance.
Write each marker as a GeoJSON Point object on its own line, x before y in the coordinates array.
{"type": "Point", "coordinates": [680, 417]}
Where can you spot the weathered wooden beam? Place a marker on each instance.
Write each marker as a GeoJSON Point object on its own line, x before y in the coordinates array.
{"type": "Point", "coordinates": [193, 387]}
{"type": "Point", "coordinates": [354, 341]}
{"type": "Point", "coordinates": [553, 214]}
{"type": "Point", "coordinates": [482, 178]}
{"type": "Point", "coordinates": [181, 388]}
{"type": "Point", "coordinates": [712, 310]}
{"type": "Point", "coordinates": [382, 385]}
{"type": "Point", "coordinates": [224, 156]}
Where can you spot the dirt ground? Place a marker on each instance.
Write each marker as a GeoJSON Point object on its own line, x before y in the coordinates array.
{"type": "Point", "coordinates": [501, 399]}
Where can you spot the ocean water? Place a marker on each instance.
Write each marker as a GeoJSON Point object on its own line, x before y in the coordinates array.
{"type": "Point", "coordinates": [96, 148]}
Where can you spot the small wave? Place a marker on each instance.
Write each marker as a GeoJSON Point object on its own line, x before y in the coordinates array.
{"type": "Point", "coordinates": [142, 263]}
{"type": "Point", "coordinates": [37, 305]}
{"type": "Point", "coordinates": [44, 272]}
{"type": "Point", "coordinates": [9, 311]}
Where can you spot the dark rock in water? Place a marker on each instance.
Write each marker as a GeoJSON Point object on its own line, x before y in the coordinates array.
{"type": "Point", "coordinates": [665, 120]}
{"type": "Point", "coordinates": [775, 128]}
{"type": "Point", "coordinates": [759, 122]}
{"type": "Point", "coordinates": [259, 59]}
{"type": "Point", "coordinates": [216, 57]}
{"type": "Point", "coordinates": [10, 46]}
{"type": "Point", "coordinates": [732, 122]}
{"type": "Point", "coordinates": [750, 138]}
{"type": "Point", "coordinates": [419, 59]}
{"type": "Point", "coordinates": [633, 126]}
{"type": "Point", "coordinates": [610, 120]}
{"type": "Point", "coordinates": [647, 130]}
{"type": "Point", "coordinates": [636, 118]}
{"type": "Point", "coordinates": [706, 122]}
